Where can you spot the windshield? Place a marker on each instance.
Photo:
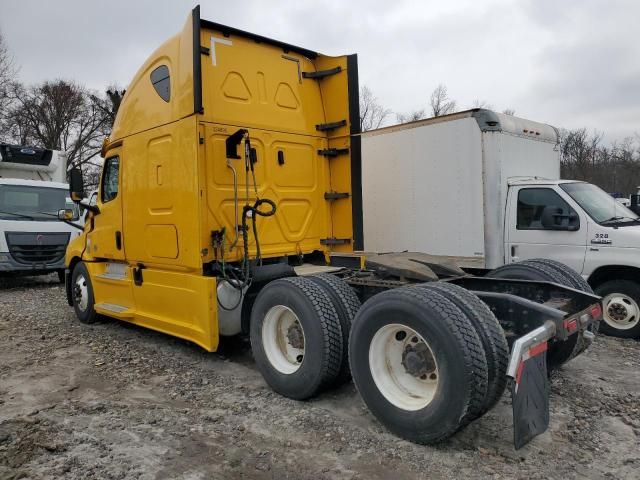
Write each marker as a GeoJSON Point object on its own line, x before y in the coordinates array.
{"type": "Point", "coordinates": [600, 206]}
{"type": "Point", "coordinates": [20, 202]}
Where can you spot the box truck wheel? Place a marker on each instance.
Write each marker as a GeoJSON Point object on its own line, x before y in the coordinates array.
{"type": "Point", "coordinates": [491, 335]}
{"type": "Point", "coordinates": [576, 281]}
{"type": "Point", "coordinates": [82, 294]}
{"type": "Point", "coordinates": [559, 352]}
{"type": "Point", "coordinates": [574, 277]}
{"type": "Point", "coordinates": [620, 308]}
{"type": "Point", "coordinates": [347, 304]}
{"type": "Point", "coordinates": [417, 362]}
{"type": "Point", "coordinates": [296, 337]}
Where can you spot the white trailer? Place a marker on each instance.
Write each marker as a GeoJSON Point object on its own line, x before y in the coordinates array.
{"type": "Point", "coordinates": [32, 190]}
{"type": "Point", "coordinates": [484, 188]}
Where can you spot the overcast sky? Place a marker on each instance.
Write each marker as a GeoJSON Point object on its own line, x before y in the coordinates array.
{"type": "Point", "coordinates": [567, 63]}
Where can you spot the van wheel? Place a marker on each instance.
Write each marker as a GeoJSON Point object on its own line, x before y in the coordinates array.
{"type": "Point", "coordinates": [418, 363]}
{"type": "Point", "coordinates": [620, 308]}
{"type": "Point", "coordinates": [559, 352]}
{"type": "Point", "coordinates": [347, 304]}
{"type": "Point", "coordinates": [82, 294]}
{"type": "Point", "coordinates": [296, 337]}
{"type": "Point", "coordinates": [491, 335]}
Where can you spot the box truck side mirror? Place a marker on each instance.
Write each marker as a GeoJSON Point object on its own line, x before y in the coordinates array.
{"type": "Point", "coordinates": [553, 218]}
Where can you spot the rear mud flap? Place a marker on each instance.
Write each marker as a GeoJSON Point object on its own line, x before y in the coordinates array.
{"type": "Point", "coordinates": [530, 397]}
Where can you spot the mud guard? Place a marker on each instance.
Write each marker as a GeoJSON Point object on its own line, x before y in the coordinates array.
{"type": "Point", "coordinates": [530, 397]}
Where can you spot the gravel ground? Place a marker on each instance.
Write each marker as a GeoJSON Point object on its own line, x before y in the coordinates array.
{"type": "Point", "coordinates": [114, 401]}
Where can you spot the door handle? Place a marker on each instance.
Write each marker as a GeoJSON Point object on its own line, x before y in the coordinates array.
{"type": "Point", "coordinates": [119, 240]}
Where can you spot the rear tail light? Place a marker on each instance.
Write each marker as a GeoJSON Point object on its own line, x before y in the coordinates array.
{"type": "Point", "coordinates": [596, 311]}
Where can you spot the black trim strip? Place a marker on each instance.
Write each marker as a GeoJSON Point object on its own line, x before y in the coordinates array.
{"type": "Point", "coordinates": [333, 152]}
{"type": "Point", "coordinates": [226, 31]}
{"type": "Point", "coordinates": [336, 195]}
{"type": "Point", "coordinates": [335, 241]}
{"type": "Point", "coordinates": [356, 158]}
{"type": "Point", "coordinates": [197, 64]}
{"type": "Point", "coordinates": [322, 73]}
{"type": "Point", "coordinates": [323, 127]}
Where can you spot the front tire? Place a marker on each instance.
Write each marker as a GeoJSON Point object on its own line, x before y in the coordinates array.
{"type": "Point", "coordinates": [296, 337]}
{"type": "Point", "coordinates": [418, 363]}
{"type": "Point", "coordinates": [82, 294]}
{"type": "Point", "coordinates": [620, 308]}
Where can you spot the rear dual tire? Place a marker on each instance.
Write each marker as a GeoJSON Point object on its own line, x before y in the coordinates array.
{"type": "Point", "coordinates": [296, 337]}
{"type": "Point", "coordinates": [418, 363]}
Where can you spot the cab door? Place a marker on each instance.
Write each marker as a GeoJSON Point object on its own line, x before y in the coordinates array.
{"type": "Point", "coordinates": [106, 241]}
{"type": "Point", "coordinates": [541, 223]}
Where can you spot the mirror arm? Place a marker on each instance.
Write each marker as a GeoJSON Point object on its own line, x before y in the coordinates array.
{"type": "Point", "coordinates": [92, 208]}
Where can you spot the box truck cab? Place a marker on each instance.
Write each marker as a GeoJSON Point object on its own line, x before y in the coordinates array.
{"type": "Point", "coordinates": [32, 190]}
{"type": "Point", "coordinates": [483, 188]}
{"type": "Point", "coordinates": [582, 226]}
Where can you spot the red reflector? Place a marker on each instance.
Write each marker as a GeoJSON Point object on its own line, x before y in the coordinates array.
{"type": "Point", "coordinates": [571, 325]}
{"type": "Point", "coordinates": [519, 372]}
{"type": "Point", "coordinates": [596, 311]}
{"type": "Point", "coordinates": [537, 349]}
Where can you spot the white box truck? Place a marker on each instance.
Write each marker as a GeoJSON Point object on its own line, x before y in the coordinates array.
{"type": "Point", "coordinates": [484, 188]}
{"type": "Point", "coordinates": [32, 189]}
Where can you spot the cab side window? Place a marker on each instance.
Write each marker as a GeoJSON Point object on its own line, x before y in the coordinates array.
{"type": "Point", "coordinates": [110, 179]}
{"type": "Point", "coordinates": [161, 82]}
{"type": "Point", "coordinates": [532, 203]}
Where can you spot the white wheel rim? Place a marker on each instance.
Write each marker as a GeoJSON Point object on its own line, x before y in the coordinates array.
{"type": "Point", "coordinates": [620, 311]}
{"type": "Point", "coordinates": [405, 390]}
{"type": "Point", "coordinates": [81, 293]}
{"type": "Point", "coordinates": [283, 339]}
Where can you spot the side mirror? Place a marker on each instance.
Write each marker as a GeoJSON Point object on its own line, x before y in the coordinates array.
{"type": "Point", "coordinates": [76, 185]}
{"type": "Point", "coordinates": [66, 214]}
{"type": "Point", "coordinates": [553, 218]}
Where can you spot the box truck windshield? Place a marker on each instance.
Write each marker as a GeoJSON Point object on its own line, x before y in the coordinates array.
{"type": "Point", "coordinates": [33, 203]}
{"type": "Point", "coordinates": [600, 206]}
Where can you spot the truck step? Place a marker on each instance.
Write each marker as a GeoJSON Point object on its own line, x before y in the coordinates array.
{"type": "Point", "coordinates": [114, 310]}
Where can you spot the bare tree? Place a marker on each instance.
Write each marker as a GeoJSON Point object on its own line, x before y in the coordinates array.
{"type": "Point", "coordinates": [481, 104]}
{"type": "Point", "coordinates": [60, 115]}
{"type": "Point", "coordinates": [411, 116]}
{"type": "Point", "coordinates": [509, 111]}
{"type": "Point", "coordinates": [7, 76]}
{"type": "Point", "coordinates": [440, 102]}
{"type": "Point", "coordinates": [372, 114]}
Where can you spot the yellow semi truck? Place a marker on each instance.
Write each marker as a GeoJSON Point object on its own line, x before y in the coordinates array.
{"type": "Point", "coordinates": [230, 203]}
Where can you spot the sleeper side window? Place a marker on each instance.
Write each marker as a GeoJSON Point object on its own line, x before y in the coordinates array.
{"type": "Point", "coordinates": [162, 82]}
{"type": "Point", "coordinates": [531, 204]}
{"type": "Point", "coordinates": [110, 179]}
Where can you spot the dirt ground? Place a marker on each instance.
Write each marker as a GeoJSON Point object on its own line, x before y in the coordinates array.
{"type": "Point", "coordinates": [113, 401]}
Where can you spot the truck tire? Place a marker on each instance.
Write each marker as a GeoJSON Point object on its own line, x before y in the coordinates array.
{"type": "Point", "coordinates": [296, 337]}
{"type": "Point", "coordinates": [347, 304]}
{"type": "Point", "coordinates": [491, 335]}
{"type": "Point", "coordinates": [559, 352]}
{"type": "Point", "coordinates": [418, 363]}
{"type": "Point", "coordinates": [82, 294]}
{"type": "Point", "coordinates": [620, 305]}
{"type": "Point", "coordinates": [577, 282]}
{"type": "Point", "coordinates": [574, 277]}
